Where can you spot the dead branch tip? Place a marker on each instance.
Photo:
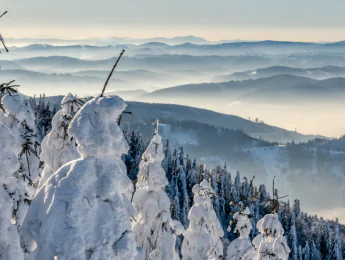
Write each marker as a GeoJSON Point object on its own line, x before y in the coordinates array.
{"type": "Point", "coordinates": [111, 73]}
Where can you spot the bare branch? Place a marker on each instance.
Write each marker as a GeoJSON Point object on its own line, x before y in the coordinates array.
{"type": "Point", "coordinates": [111, 73]}
{"type": "Point", "coordinates": [3, 14]}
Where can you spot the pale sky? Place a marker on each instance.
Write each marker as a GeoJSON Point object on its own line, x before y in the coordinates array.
{"type": "Point", "coordinates": [296, 20]}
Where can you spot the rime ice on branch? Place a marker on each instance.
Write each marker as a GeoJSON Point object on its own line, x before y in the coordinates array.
{"type": "Point", "coordinates": [151, 224]}
{"type": "Point", "coordinates": [58, 147]}
{"type": "Point", "coordinates": [83, 210]}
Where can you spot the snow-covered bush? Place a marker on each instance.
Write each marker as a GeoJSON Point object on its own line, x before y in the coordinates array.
{"type": "Point", "coordinates": [20, 119]}
{"type": "Point", "coordinates": [241, 248]}
{"type": "Point", "coordinates": [83, 210]}
{"type": "Point", "coordinates": [203, 237]}
{"type": "Point", "coordinates": [58, 147]}
{"type": "Point", "coordinates": [271, 243]}
{"type": "Point", "coordinates": [12, 196]}
{"type": "Point", "coordinates": [152, 205]}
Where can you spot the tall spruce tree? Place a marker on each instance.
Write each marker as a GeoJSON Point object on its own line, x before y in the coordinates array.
{"type": "Point", "coordinates": [152, 205]}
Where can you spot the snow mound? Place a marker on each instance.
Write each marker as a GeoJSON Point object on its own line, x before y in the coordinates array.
{"type": "Point", "coordinates": [96, 130]}
{"type": "Point", "coordinates": [20, 109]}
{"type": "Point", "coordinates": [9, 238]}
{"type": "Point", "coordinates": [83, 210]}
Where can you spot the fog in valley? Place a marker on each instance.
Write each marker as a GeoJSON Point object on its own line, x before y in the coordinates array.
{"type": "Point", "coordinates": [295, 86]}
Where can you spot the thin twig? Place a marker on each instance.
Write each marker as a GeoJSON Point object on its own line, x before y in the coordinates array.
{"type": "Point", "coordinates": [111, 73]}
{"type": "Point", "coordinates": [3, 14]}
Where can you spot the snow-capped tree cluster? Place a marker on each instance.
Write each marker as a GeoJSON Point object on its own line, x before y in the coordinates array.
{"type": "Point", "coordinates": [74, 185]}
{"type": "Point", "coordinates": [302, 232]}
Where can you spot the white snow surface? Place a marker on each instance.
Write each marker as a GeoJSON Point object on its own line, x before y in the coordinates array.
{"type": "Point", "coordinates": [83, 210]}
{"type": "Point", "coordinates": [9, 238]}
{"type": "Point", "coordinates": [9, 156]}
{"type": "Point", "coordinates": [18, 111]}
{"type": "Point", "coordinates": [96, 128]}
{"type": "Point", "coordinates": [152, 206]}
{"type": "Point", "coordinates": [58, 147]}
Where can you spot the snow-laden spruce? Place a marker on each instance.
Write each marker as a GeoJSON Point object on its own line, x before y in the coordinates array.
{"type": "Point", "coordinates": [241, 248]}
{"type": "Point", "coordinates": [152, 205]}
{"type": "Point", "coordinates": [58, 147]}
{"type": "Point", "coordinates": [270, 244]}
{"type": "Point", "coordinates": [83, 210]}
{"type": "Point", "coordinates": [20, 119]}
{"type": "Point", "coordinates": [202, 239]}
{"type": "Point", "coordinates": [12, 195]}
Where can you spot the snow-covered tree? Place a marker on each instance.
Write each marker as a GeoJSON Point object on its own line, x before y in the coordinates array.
{"type": "Point", "coordinates": [271, 244]}
{"type": "Point", "coordinates": [296, 208]}
{"type": "Point", "coordinates": [306, 252]}
{"type": "Point", "coordinates": [300, 255]}
{"type": "Point", "coordinates": [203, 237]}
{"type": "Point", "coordinates": [325, 240]}
{"type": "Point", "coordinates": [20, 119]}
{"type": "Point", "coordinates": [151, 224]}
{"type": "Point", "coordinates": [174, 188]}
{"type": "Point", "coordinates": [183, 194]}
{"type": "Point", "coordinates": [314, 252]}
{"type": "Point", "coordinates": [292, 238]}
{"type": "Point", "coordinates": [255, 219]}
{"type": "Point", "coordinates": [196, 242]}
{"type": "Point", "coordinates": [336, 243]}
{"type": "Point", "coordinates": [58, 147]}
{"type": "Point", "coordinates": [133, 158]}
{"type": "Point", "coordinates": [241, 248]}
{"type": "Point", "coordinates": [12, 196]}
{"type": "Point", "coordinates": [43, 118]}
{"type": "Point", "coordinates": [83, 211]}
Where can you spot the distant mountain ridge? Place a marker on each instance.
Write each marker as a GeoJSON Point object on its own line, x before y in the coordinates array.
{"type": "Point", "coordinates": [108, 40]}
{"type": "Point", "coordinates": [256, 90]}
{"type": "Point", "coordinates": [180, 45]}
{"type": "Point", "coordinates": [315, 73]}
{"type": "Point", "coordinates": [142, 112]}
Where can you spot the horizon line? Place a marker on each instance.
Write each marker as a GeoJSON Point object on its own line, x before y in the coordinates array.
{"type": "Point", "coordinates": [167, 38]}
